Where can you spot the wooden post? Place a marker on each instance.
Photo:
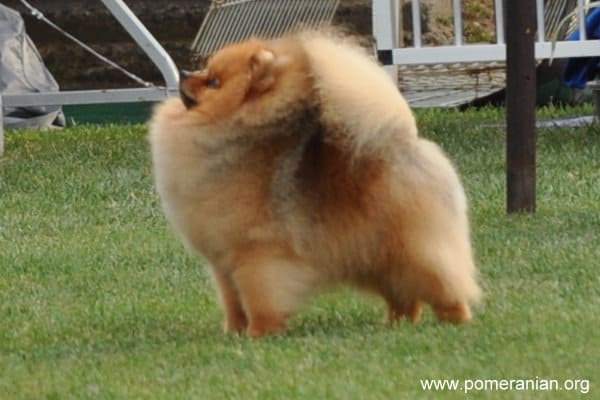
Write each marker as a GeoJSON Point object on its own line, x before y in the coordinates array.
{"type": "Point", "coordinates": [520, 105]}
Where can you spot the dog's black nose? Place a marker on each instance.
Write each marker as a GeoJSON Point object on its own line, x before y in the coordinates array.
{"type": "Point", "coordinates": [184, 89]}
{"type": "Point", "coordinates": [184, 75]}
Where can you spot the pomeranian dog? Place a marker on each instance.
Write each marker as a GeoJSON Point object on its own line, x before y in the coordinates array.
{"type": "Point", "coordinates": [294, 165]}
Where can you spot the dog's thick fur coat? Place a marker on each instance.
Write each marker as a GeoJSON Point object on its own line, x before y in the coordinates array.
{"type": "Point", "coordinates": [294, 165]}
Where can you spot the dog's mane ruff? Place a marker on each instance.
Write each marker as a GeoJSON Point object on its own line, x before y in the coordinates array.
{"type": "Point", "coordinates": [349, 81]}
{"type": "Point", "coordinates": [292, 89]}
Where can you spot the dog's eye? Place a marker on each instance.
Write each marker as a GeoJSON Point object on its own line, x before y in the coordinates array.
{"type": "Point", "coordinates": [213, 83]}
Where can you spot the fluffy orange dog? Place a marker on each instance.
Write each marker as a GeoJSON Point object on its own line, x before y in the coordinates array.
{"type": "Point", "coordinates": [294, 165]}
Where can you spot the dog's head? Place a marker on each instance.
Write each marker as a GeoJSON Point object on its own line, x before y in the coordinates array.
{"type": "Point", "coordinates": [249, 77]}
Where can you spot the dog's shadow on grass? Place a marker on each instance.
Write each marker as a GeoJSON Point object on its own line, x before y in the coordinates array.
{"type": "Point", "coordinates": [209, 329]}
{"type": "Point", "coordinates": [359, 320]}
{"type": "Point", "coordinates": [203, 333]}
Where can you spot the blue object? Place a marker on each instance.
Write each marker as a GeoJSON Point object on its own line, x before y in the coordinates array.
{"type": "Point", "coordinates": [579, 71]}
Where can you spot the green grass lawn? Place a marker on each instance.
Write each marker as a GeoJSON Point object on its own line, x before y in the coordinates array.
{"type": "Point", "coordinates": [99, 300]}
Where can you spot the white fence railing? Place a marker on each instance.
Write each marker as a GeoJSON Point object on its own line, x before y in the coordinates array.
{"type": "Point", "coordinates": [385, 30]}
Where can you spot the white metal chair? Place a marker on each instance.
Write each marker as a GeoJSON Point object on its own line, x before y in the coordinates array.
{"type": "Point", "coordinates": [229, 21]}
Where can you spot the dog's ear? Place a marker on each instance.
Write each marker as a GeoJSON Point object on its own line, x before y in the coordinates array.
{"type": "Point", "coordinates": [262, 69]}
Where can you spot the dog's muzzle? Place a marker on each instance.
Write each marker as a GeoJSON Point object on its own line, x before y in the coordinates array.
{"type": "Point", "coordinates": [184, 89]}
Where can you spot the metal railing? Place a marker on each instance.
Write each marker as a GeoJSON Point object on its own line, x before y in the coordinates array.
{"type": "Point", "coordinates": [386, 30]}
{"type": "Point", "coordinates": [144, 40]}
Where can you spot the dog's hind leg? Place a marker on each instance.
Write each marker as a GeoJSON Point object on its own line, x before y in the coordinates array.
{"type": "Point", "coordinates": [458, 312]}
{"type": "Point", "coordinates": [444, 277]}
